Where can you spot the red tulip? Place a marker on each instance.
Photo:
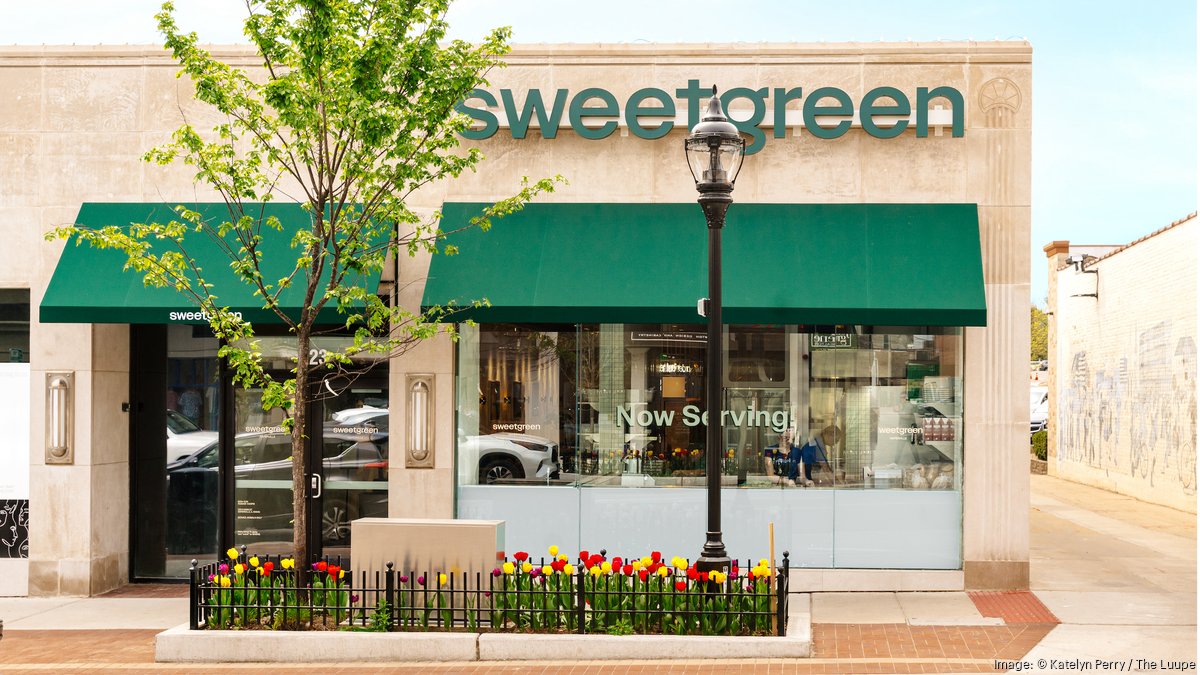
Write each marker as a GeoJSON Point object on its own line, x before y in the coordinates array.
{"type": "Point", "coordinates": [627, 570]}
{"type": "Point", "coordinates": [596, 559]}
{"type": "Point", "coordinates": [583, 556]}
{"type": "Point", "coordinates": [704, 576]}
{"type": "Point", "coordinates": [681, 585]}
{"type": "Point", "coordinates": [333, 571]}
{"type": "Point", "coordinates": [267, 567]}
{"type": "Point", "coordinates": [691, 574]}
{"type": "Point", "coordinates": [643, 574]}
{"type": "Point", "coordinates": [655, 556]}
{"type": "Point", "coordinates": [558, 565]}
{"type": "Point", "coordinates": [616, 562]}
{"type": "Point", "coordinates": [322, 566]}
{"type": "Point", "coordinates": [521, 556]}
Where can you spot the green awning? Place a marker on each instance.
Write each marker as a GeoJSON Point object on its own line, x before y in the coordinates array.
{"type": "Point", "coordinates": [91, 286]}
{"type": "Point", "coordinates": [871, 264]}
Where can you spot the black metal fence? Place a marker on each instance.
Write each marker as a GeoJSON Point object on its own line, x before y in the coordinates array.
{"type": "Point", "coordinates": [518, 596]}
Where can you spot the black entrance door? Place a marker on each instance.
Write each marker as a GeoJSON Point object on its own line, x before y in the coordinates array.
{"type": "Point", "coordinates": [347, 460]}
{"type": "Point", "coordinates": [350, 458]}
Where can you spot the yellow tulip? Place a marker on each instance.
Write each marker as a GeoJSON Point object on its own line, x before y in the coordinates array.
{"type": "Point", "coordinates": [637, 565]}
{"type": "Point", "coordinates": [606, 567]}
{"type": "Point", "coordinates": [526, 566]}
{"type": "Point", "coordinates": [547, 570]}
{"type": "Point", "coordinates": [441, 579]}
{"type": "Point", "coordinates": [717, 577]}
{"type": "Point", "coordinates": [664, 571]}
{"type": "Point", "coordinates": [254, 561]}
{"type": "Point", "coordinates": [763, 562]}
{"type": "Point", "coordinates": [239, 568]}
{"type": "Point", "coordinates": [508, 568]}
{"type": "Point", "coordinates": [563, 557]}
{"type": "Point", "coordinates": [680, 564]}
{"type": "Point", "coordinates": [646, 561]}
{"type": "Point", "coordinates": [595, 571]}
{"type": "Point", "coordinates": [287, 563]}
{"type": "Point", "coordinates": [553, 551]}
{"type": "Point", "coordinates": [568, 569]}
{"type": "Point", "coordinates": [225, 582]}
{"type": "Point", "coordinates": [232, 553]}
{"type": "Point", "coordinates": [342, 574]}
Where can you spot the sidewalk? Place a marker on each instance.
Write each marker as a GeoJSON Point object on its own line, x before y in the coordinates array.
{"type": "Point", "coordinates": [1119, 574]}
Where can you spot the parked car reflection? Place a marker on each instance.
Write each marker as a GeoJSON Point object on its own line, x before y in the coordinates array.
{"type": "Point", "coordinates": [354, 461]}
{"type": "Point", "coordinates": [184, 437]}
{"type": "Point", "coordinates": [507, 457]}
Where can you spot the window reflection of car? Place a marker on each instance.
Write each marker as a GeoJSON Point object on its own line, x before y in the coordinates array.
{"type": "Point", "coordinates": [354, 462]}
{"type": "Point", "coordinates": [1039, 408]}
{"type": "Point", "coordinates": [506, 456]}
{"type": "Point", "coordinates": [184, 437]}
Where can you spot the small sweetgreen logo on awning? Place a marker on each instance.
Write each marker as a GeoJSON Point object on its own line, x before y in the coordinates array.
{"type": "Point", "coordinates": [650, 113]}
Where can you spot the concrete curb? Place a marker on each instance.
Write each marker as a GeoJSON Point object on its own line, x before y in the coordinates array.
{"type": "Point", "coordinates": [180, 645]}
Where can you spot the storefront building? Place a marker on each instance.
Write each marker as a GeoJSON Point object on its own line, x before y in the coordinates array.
{"type": "Point", "coordinates": [876, 294]}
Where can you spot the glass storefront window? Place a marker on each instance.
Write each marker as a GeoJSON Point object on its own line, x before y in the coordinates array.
{"type": "Point", "coordinates": [192, 402]}
{"type": "Point", "coordinates": [625, 405]}
{"type": "Point", "coordinates": [848, 438]}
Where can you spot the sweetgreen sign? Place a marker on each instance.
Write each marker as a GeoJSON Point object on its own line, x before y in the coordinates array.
{"type": "Point", "coordinates": [826, 112]}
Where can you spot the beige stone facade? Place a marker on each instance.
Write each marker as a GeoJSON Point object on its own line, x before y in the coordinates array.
{"type": "Point", "coordinates": [1123, 365]}
{"type": "Point", "coordinates": [77, 120]}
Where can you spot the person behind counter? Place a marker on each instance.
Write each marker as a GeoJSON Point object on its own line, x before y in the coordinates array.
{"type": "Point", "coordinates": [815, 451]}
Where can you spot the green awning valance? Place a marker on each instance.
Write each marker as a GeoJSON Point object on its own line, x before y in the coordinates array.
{"type": "Point", "coordinates": [871, 264]}
{"type": "Point", "coordinates": [90, 285]}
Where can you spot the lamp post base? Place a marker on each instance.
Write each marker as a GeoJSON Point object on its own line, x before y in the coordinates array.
{"type": "Point", "coordinates": [713, 556]}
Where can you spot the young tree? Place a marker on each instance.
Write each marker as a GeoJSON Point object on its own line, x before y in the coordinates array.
{"type": "Point", "coordinates": [1037, 334]}
{"type": "Point", "coordinates": [351, 112]}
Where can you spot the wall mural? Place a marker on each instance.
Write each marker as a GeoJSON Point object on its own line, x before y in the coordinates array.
{"type": "Point", "coordinates": [14, 528]}
{"type": "Point", "coordinates": [1135, 414]}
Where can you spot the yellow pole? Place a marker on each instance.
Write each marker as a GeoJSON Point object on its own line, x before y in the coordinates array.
{"type": "Point", "coordinates": [771, 566]}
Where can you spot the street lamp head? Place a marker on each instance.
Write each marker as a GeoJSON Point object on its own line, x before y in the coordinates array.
{"type": "Point", "coordinates": [714, 150]}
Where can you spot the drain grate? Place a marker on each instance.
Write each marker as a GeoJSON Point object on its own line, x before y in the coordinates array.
{"type": "Point", "coordinates": [1012, 606]}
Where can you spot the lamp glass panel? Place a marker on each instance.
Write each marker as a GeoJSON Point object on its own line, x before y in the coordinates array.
{"type": "Point", "coordinates": [698, 157]}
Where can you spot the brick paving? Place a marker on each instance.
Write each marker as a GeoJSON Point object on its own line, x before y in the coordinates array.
{"type": "Point", "coordinates": [837, 648]}
{"type": "Point", "coordinates": [1012, 606]}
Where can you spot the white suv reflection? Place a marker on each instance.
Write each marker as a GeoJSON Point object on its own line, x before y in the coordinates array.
{"type": "Point", "coordinates": [509, 456]}
{"type": "Point", "coordinates": [184, 437]}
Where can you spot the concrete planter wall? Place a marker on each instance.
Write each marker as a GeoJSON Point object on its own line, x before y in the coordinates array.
{"type": "Point", "coordinates": [180, 645]}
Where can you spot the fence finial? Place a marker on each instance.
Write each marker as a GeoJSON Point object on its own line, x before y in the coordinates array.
{"type": "Point", "coordinates": [388, 565]}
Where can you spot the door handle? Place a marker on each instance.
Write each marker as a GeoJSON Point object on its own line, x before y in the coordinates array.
{"type": "Point", "coordinates": [314, 482]}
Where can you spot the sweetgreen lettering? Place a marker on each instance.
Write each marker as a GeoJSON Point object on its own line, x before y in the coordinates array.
{"type": "Point", "coordinates": [490, 123]}
{"type": "Point", "coordinates": [519, 122]}
{"type": "Point", "coordinates": [884, 112]}
{"type": "Point", "coordinates": [579, 110]}
{"type": "Point", "coordinates": [634, 109]}
{"type": "Point", "coordinates": [812, 111]}
{"type": "Point", "coordinates": [749, 126]}
{"type": "Point", "coordinates": [782, 97]}
{"type": "Point", "coordinates": [870, 108]}
{"type": "Point", "coordinates": [952, 96]}
{"type": "Point", "coordinates": [693, 93]}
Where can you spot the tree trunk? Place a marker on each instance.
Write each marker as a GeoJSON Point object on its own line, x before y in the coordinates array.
{"type": "Point", "coordinates": [300, 487]}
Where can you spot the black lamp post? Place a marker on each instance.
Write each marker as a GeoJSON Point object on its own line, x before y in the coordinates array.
{"type": "Point", "coordinates": [714, 152]}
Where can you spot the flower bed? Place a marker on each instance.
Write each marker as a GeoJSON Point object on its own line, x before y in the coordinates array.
{"type": "Point", "coordinates": [591, 594]}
